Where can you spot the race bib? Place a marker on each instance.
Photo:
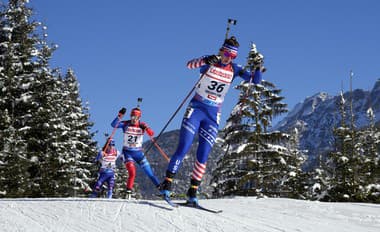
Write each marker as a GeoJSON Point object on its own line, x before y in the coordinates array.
{"type": "Point", "coordinates": [215, 84]}
{"type": "Point", "coordinates": [133, 137]}
{"type": "Point", "coordinates": [109, 159]}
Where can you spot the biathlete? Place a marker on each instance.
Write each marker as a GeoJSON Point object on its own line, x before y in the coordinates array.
{"type": "Point", "coordinates": [203, 113]}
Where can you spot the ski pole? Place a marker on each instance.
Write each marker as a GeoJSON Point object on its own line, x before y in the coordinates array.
{"type": "Point", "coordinates": [229, 21]}
{"type": "Point", "coordinates": [113, 133]}
{"type": "Point", "coordinates": [159, 149]}
{"type": "Point", "coordinates": [175, 113]}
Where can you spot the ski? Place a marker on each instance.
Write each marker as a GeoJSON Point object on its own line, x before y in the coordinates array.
{"type": "Point", "coordinates": [170, 202]}
{"type": "Point", "coordinates": [197, 206]}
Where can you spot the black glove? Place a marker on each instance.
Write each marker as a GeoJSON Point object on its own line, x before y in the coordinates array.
{"type": "Point", "coordinates": [211, 59]}
{"type": "Point", "coordinates": [258, 61]}
{"type": "Point", "coordinates": [122, 112]}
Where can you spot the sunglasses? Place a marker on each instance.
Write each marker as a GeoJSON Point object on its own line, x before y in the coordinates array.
{"type": "Point", "coordinates": [134, 117]}
{"type": "Point", "coordinates": [229, 54]}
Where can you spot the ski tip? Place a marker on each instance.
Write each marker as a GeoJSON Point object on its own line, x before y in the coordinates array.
{"type": "Point", "coordinates": [197, 206]}
{"type": "Point", "coordinates": [170, 202]}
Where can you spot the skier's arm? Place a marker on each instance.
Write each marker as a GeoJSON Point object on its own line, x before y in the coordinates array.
{"type": "Point", "coordinates": [203, 61]}
{"type": "Point", "coordinates": [147, 129]}
{"type": "Point", "coordinates": [117, 123]}
{"type": "Point", "coordinates": [98, 156]}
{"type": "Point", "coordinates": [257, 76]}
{"type": "Point", "coordinates": [196, 63]}
{"type": "Point", "coordinates": [254, 77]}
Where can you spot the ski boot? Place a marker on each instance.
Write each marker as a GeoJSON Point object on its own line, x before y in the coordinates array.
{"type": "Point", "coordinates": [165, 187]}
{"type": "Point", "coordinates": [109, 193]}
{"type": "Point", "coordinates": [95, 193]}
{"type": "Point", "coordinates": [128, 194]}
{"type": "Point", "coordinates": [192, 199]}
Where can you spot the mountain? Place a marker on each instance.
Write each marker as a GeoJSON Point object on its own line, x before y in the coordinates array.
{"type": "Point", "coordinates": [168, 143]}
{"type": "Point", "coordinates": [317, 115]}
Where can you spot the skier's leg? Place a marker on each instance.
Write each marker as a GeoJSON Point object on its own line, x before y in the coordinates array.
{"type": "Point", "coordinates": [189, 127]}
{"type": "Point", "coordinates": [144, 164]}
{"type": "Point", "coordinates": [207, 135]}
{"type": "Point", "coordinates": [208, 132]}
{"type": "Point", "coordinates": [130, 165]}
{"type": "Point", "coordinates": [111, 184]}
{"type": "Point", "coordinates": [98, 185]}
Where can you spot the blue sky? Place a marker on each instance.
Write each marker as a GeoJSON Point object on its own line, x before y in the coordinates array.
{"type": "Point", "coordinates": [121, 50]}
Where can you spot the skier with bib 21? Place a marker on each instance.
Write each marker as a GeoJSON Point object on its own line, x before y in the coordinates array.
{"type": "Point", "coordinates": [134, 130]}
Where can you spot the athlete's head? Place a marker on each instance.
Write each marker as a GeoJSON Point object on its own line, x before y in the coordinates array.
{"type": "Point", "coordinates": [135, 115]}
{"type": "Point", "coordinates": [229, 50]}
{"type": "Point", "coordinates": [110, 142]}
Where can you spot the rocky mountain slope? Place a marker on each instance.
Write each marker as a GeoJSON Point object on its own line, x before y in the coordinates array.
{"type": "Point", "coordinates": [317, 115]}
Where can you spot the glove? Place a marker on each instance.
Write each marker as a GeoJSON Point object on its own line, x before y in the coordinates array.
{"type": "Point", "coordinates": [122, 112]}
{"type": "Point", "coordinates": [150, 132]}
{"type": "Point", "coordinates": [258, 61]}
{"type": "Point", "coordinates": [211, 59]}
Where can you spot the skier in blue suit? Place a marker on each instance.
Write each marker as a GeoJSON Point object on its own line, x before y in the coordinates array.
{"type": "Point", "coordinates": [203, 113]}
{"type": "Point", "coordinates": [133, 131]}
{"type": "Point", "coordinates": [107, 157]}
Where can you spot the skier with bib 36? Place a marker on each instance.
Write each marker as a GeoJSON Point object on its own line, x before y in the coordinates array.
{"type": "Point", "coordinates": [203, 113]}
{"type": "Point", "coordinates": [134, 130]}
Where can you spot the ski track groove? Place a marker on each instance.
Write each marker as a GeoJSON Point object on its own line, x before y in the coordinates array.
{"type": "Point", "coordinates": [171, 220]}
{"type": "Point", "coordinates": [31, 220]}
{"type": "Point", "coordinates": [118, 216]}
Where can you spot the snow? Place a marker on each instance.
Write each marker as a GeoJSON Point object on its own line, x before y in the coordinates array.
{"type": "Point", "coordinates": [241, 148]}
{"type": "Point", "coordinates": [24, 128]}
{"type": "Point", "coordinates": [240, 214]}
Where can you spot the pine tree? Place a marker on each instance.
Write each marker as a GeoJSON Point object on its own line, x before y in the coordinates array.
{"type": "Point", "coordinates": [345, 162]}
{"type": "Point", "coordinates": [368, 148]}
{"type": "Point", "coordinates": [295, 183]}
{"type": "Point", "coordinates": [46, 141]}
{"type": "Point", "coordinates": [319, 181]}
{"type": "Point", "coordinates": [80, 149]}
{"type": "Point", "coordinates": [18, 72]}
{"type": "Point", "coordinates": [257, 161]}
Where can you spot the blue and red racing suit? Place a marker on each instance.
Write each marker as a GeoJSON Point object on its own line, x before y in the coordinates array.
{"type": "Point", "coordinates": [203, 113]}
{"type": "Point", "coordinates": [132, 149]}
{"type": "Point", "coordinates": [107, 170]}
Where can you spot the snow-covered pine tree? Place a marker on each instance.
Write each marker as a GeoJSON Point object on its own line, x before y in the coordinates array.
{"type": "Point", "coordinates": [79, 148]}
{"type": "Point", "coordinates": [33, 99]}
{"type": "Point", "coordinates": [256, 161]}
{"type": "Point", "coordinates": [296, 182]}
{"type": "Point", "coordinates": [319, 181]}
{"type": "Point", "coordinates": [345, 162]}
{"type": "Point", "coordinates": [227, 172]}
{"type": "Point", "coordinates": [368, 148]}
{"type": "Point", "coordinates": [18, 73]}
